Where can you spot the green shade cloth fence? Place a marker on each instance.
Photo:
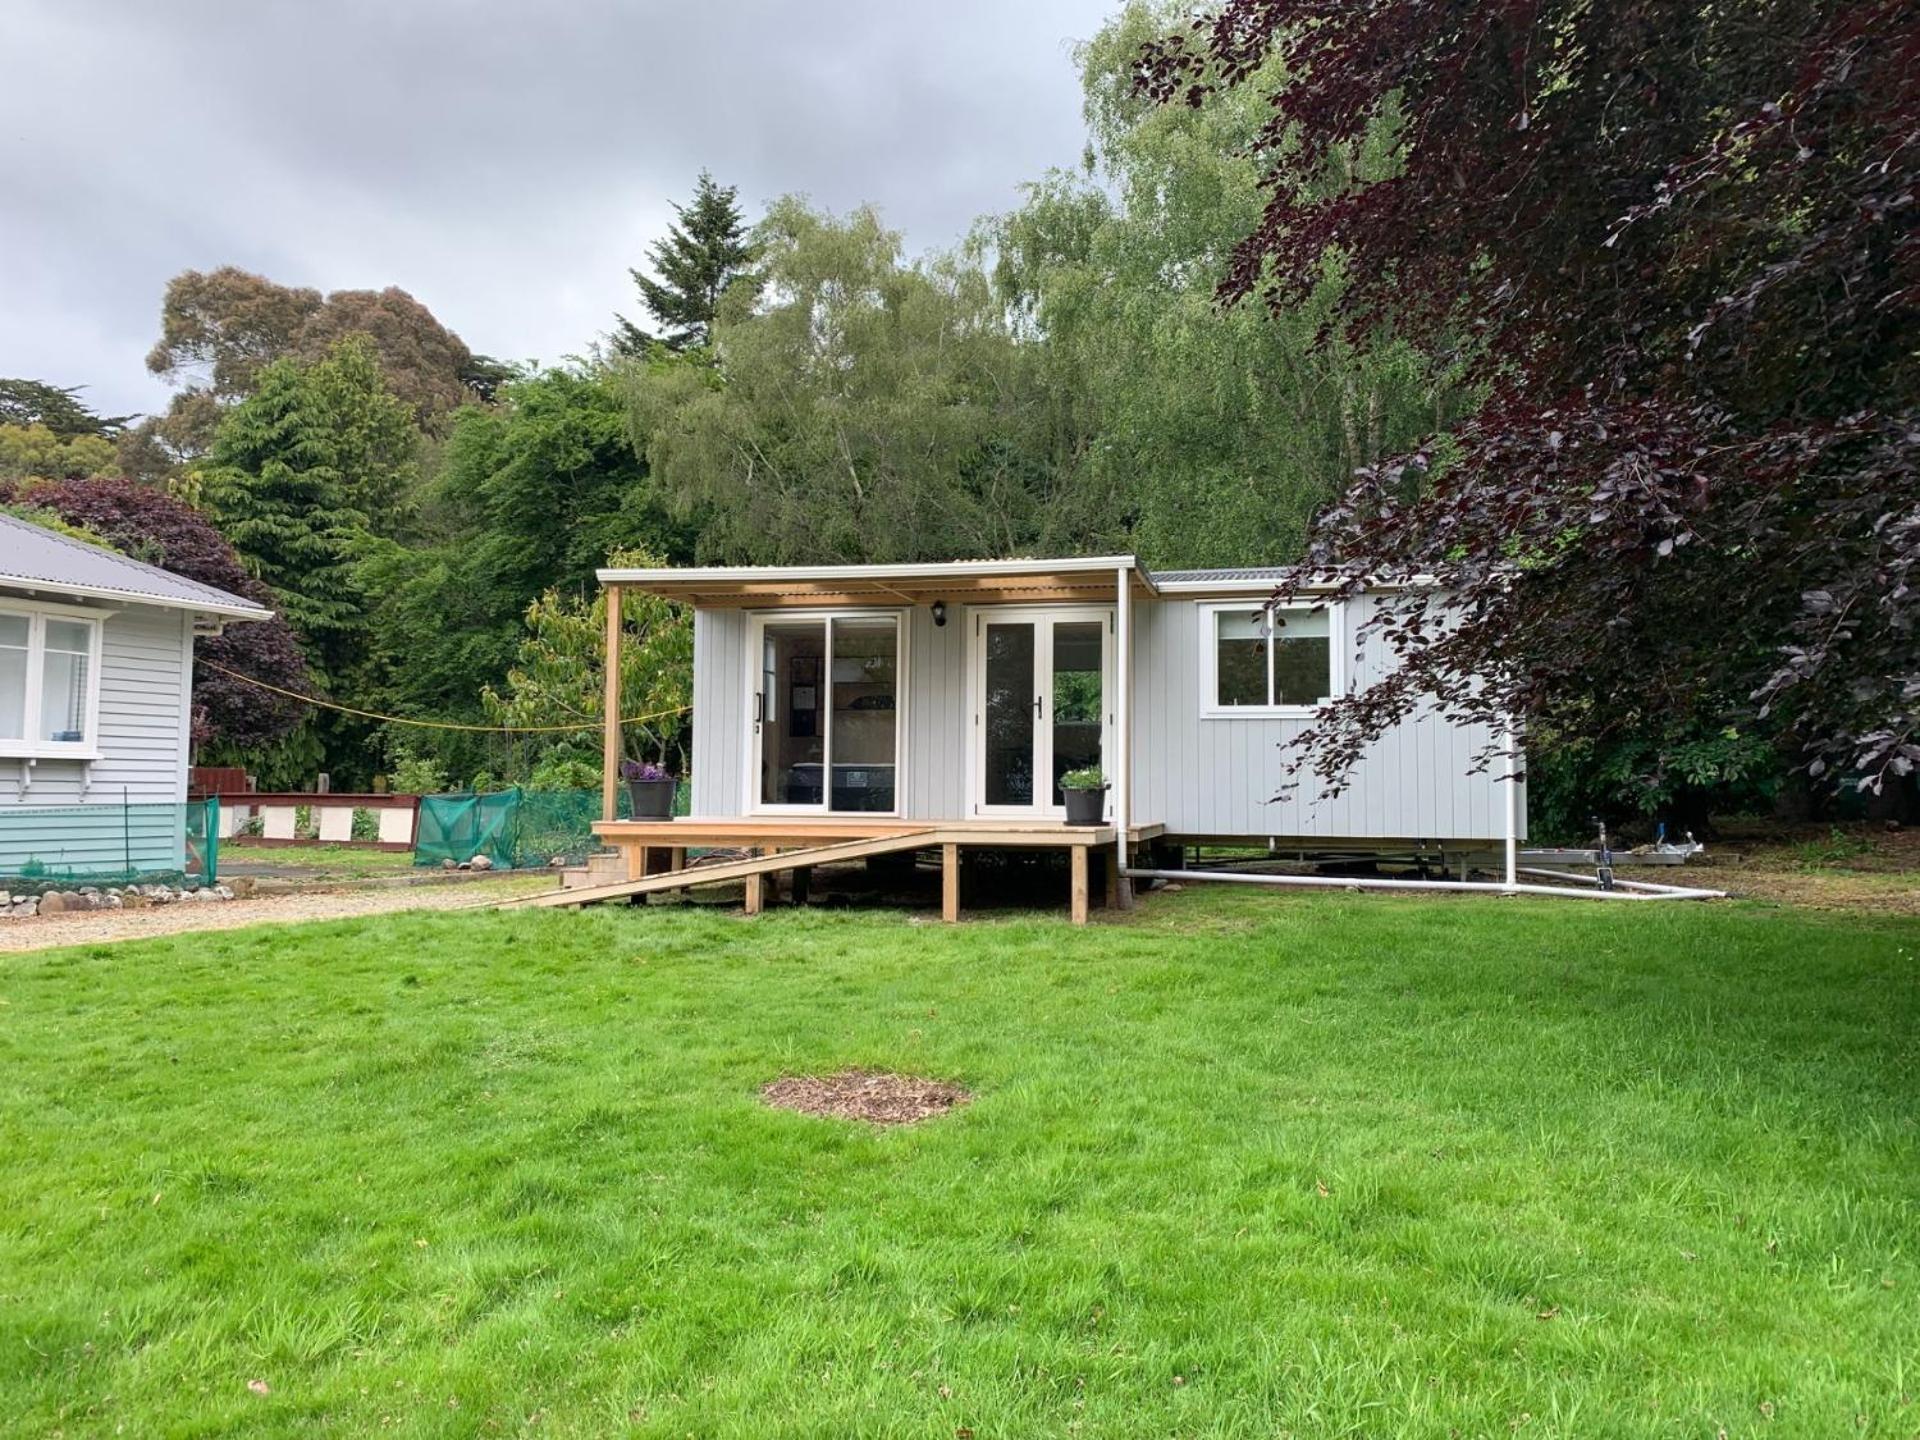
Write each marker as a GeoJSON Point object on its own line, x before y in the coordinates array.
{"type": "Point", "coordinates": [515, 829]}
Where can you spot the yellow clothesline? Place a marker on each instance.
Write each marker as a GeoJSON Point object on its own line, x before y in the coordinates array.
{"type": "Point", "coordinates": [435, 724]}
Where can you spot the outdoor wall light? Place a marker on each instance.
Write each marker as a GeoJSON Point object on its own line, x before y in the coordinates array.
{"type": "Point", "coordinates": [939, 612]}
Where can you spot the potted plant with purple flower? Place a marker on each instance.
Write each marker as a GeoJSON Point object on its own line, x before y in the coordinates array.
{"type": "Point", "coordinates": [651, 787]}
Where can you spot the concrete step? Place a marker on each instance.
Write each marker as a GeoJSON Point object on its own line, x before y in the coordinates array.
{"type": "Point", "coordinates": [606, 867]}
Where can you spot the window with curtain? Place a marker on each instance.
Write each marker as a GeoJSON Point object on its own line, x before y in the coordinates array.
{"type": "Point", "coordinates": [66, 667]}
{"type": "Point", "coordinates": [49, 679]}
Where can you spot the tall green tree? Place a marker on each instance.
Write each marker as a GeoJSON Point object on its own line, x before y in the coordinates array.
{"type": "Point", "coordinates": [303, 474]}
{"type": "Point", "coordinates": [1214, 432]}
{"type": "Point", "coordinates": [57, 408]}
{"type": "Point", "coordinates": [865, 408]}
{"type": "Point", "coordinates": [532, 494]}
{"type": "Point", "coordinates": [702, 255]}
{"type": "Point", "coordinates": [221, 329]}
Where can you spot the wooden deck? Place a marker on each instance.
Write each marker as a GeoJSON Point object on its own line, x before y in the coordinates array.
{"type": "Point", "coordinates": [656, 850]}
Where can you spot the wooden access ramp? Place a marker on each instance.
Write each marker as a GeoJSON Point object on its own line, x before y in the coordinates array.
{"type": "Point", "coordinates": [948, 837]}
{"type": "Point", "coordinates": [747, 869]}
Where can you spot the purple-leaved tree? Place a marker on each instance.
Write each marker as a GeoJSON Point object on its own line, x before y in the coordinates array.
{"type": "Point", "coordinates": [1677, 246]}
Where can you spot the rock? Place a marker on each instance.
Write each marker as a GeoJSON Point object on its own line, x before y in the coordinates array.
{"type": "Point", "coordinates": [111, 901]}
{"type": "Point", "coordinates": [480, 862]}
{"type": "Point", "coordinates": [449, 864]}
{"type": "Point", "coordinates": [24, 906]}
{"type": "Point", "coordinates": [53, 903]}
{"type": "Point", "coordinates": [224, 892]}
{"type": "Point", "coordinates": [242, 885]}
{"type": "Point", "coordinates": [133, 900]}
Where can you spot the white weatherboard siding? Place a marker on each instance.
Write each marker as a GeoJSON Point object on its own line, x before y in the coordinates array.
{"type": "Point", "coordinates": [1194, 774]}
{"type": "Point", "coordinates": [67, 817]}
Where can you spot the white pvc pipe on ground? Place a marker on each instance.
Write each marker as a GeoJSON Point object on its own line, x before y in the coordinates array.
{"type": "Point", "coordinates": [1647, 885]}
{"type": "Point", "coordinates": [1484, 887]}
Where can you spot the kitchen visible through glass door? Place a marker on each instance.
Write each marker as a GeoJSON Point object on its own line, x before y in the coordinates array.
{"type": "Point", "coordinates": [827, 713]}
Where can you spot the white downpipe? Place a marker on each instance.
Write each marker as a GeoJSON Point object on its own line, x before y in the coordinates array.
{"type": "Point", "coordinates": [1512, 785]}
{"type": "Point", "coordinates": [1123, 714]}
{"type": "Point", "coordinates": [1484, 887]}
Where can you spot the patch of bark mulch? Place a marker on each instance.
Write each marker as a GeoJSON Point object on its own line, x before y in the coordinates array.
{"type": "Point", "coordinates": [876, 1096]}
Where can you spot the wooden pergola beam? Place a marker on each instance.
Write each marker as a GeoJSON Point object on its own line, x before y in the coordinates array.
{"type": "Point", "coordinates": [610, 732]}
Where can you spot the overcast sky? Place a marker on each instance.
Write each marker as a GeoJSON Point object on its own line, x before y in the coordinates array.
{"type": "Point", "coordinates": [503, 161]}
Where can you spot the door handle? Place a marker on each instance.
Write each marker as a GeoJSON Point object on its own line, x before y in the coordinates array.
{"type": "Point", "coordinates": [1039, 707]}
{"type": "Point", "coordinates": [759, 709]}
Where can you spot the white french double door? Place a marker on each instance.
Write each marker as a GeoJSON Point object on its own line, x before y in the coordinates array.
{"type": "Point", "coordinates": [1041, 687]}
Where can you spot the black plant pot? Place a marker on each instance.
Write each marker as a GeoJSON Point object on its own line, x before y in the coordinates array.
{"type": "Point", "coordinates": [652, 799]}
{"type": "Point", "coordinates": [1086, 807]}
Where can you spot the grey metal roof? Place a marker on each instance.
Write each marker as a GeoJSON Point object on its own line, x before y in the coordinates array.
{"type": "Point", "coordinates": [33, 558]}
{"type": "Point", "coordinates": [1206, 577]}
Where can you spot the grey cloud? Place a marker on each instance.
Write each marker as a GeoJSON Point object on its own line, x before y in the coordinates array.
{"type": "Point", "coordinates": [505, 162]}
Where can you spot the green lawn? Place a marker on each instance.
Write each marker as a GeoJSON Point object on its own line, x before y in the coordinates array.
{"type": "Point", "coordinates": [1247, 1165]}
{"type": "Point", "coordinates": [322, 861]}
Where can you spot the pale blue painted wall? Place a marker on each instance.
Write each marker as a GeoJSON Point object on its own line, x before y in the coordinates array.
{"type": "Point", "coordinates": [133, 804]}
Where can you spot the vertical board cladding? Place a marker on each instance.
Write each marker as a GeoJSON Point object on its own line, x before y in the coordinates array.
{"type": "Point", "coordinates": [1206, 775]}
{"type": "Point", "coordinates": [938, 724]}
{"type": "Point", "coordinates": [722, 738]}
{"type": "Point", "coordinates": [1194, 774]}
{"type": "Point", "coordinates": [74, 815]}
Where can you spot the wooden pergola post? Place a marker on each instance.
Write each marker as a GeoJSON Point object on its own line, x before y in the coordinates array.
{"type": "Point", "coordinates": [610, 741]}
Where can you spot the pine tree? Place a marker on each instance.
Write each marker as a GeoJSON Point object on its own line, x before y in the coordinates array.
{"type": "Point", "coordinates": [696, 262]}
{"type": "Point", "coordinates": [303, 471]}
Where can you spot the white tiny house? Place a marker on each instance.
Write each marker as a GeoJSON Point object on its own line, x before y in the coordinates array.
{"type": "Point", "coordinates": [850, 700]}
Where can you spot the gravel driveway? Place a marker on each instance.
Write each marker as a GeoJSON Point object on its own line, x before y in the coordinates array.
{"type": "Point", "coordinates": [92, 927]}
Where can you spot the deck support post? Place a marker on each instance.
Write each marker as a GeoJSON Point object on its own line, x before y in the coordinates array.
{"type": "Point", "coordinates": [802, 886]}
{"type": "Point", "coordinates": [756, 892]}
{"type": "Point", "coordinates": [1080, 884]}
{"type": "Point", "coordinates": [950, 883]}
{"type": "Point", "coordinates": [1122, 894]}
{"type": "Point", "coordinates": [610, 734]}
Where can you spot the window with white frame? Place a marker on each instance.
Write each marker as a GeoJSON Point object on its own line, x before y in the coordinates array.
{"type": "Point", "coordinates": [49, 681]}
{"type": "Point", "coordinates": [1271, 659]}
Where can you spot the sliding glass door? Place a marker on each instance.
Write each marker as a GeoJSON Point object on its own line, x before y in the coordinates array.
{"type": "Point", "coordinates": [1040, 685]}
{"type": "Point", "coordinates": [826, 713]}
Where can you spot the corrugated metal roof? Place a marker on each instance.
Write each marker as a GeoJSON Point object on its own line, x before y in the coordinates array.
{"type": "Point", "coordinates": [34, 558]}
{"type": "Point", "coordinates": [1207, 577]}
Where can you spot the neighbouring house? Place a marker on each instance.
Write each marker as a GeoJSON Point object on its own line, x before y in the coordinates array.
{"type": "Point", "coordinates": [868, 707]}
{"type": "Point", "coordinates": [96, 681]}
